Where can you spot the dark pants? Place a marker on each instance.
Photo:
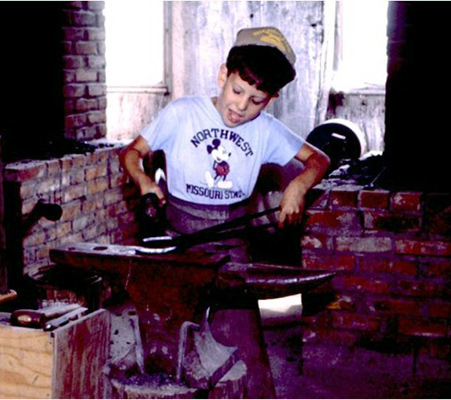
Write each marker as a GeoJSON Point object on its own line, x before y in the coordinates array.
{"type": "Point", "coordinates": [234, 321]}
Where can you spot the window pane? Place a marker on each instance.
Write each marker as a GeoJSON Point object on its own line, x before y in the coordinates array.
{"type": "Point", "coordinates": [134, 42]}
{"type": "Point", "coordinates": [364, 41]}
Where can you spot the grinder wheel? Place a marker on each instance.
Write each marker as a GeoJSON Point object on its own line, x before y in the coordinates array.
{"type": "Point", "coordinates": [339, 139]}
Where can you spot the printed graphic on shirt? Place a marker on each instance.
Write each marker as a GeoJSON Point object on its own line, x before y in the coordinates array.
{"type": "Point", "coordinates": [220, 146]}
{"type": "Point", "coordinates": [221, 167]}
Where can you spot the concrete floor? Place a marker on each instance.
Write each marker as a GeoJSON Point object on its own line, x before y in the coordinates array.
{"type": "Point", "coordinates": [303, 369]}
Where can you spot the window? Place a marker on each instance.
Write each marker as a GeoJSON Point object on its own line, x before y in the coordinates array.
{"type": "Point", "coordinates": [135, 57]}
{"type": "Point", "coordinates": [134, 43]}
{"type": "Point", "coordinates": [363, 41]}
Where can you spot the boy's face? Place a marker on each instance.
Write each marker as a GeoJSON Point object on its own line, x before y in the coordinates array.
{"type": "Point", "coordinates": [239, 102]}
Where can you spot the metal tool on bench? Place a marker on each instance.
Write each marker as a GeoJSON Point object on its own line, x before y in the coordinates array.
{"type": "Point", "coordinates": [65, 319]}
{"type": "Point", "coordinates": [46, 318]}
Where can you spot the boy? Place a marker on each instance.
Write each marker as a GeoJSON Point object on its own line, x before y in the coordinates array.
{"type": "Point", "coordinates": [214, 148]}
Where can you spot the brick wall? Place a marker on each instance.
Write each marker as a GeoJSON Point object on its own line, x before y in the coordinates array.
{"type": "Point", "coordinates": [84, 70]}
{"type": "Point", "coordinates": [391, 252]}
{"type": "Point", "coordinates": [96, 200]}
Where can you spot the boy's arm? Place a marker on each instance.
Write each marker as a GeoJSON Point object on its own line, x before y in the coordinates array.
{"type": "Point", "coordinates": [316, 163]}
{"type": "Point", "coordinates": [131, 161]}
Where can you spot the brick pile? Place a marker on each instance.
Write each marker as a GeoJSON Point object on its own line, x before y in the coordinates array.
{"type": "Point", "coordinates": [391, 252]}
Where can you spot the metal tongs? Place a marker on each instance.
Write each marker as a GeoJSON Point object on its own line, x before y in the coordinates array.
{"type": "Point", "coordinates": [226, 230]}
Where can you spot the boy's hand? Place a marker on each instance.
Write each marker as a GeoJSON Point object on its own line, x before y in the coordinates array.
{"type": "Point", "coordinates": [292, 204]}
{"type": "Point", "coordinates": [316, 164]}
{"type": "Point", "coordinates": [147, 186]}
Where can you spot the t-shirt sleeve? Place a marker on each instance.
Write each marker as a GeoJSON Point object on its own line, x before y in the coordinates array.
{"type": "Point", "coordinates": [283, 144]}
{"type": "Point", "coordinates": [161, 131]}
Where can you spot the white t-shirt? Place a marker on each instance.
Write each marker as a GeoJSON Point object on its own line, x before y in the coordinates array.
{"type": "Point", "coordinates": [209, 162]}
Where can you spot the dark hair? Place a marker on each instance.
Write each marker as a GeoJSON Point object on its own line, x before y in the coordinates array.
{"type": "Point", "coordinates": [263, 66]}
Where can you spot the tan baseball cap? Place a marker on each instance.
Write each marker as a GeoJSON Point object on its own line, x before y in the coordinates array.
{"type": "Point", "coordinates": [266, 36]}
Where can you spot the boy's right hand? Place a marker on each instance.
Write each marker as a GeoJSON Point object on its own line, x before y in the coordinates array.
{"type": "Point", "coordinates": [149, 187]}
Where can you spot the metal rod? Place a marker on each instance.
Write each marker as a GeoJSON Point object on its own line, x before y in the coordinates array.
{"type": "Point", "coordinates": [208, 234]}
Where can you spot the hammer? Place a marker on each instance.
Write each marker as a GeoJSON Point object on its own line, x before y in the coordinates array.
{"type": "Point", "coordinates": [39, 318]}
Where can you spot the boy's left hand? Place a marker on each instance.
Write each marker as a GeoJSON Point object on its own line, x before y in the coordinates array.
{"type": "Point", "coordinates": [316, 163]}
{"type": "Point", "coordinates": [292, 205]}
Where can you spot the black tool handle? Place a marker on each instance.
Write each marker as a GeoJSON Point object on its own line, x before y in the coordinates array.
{"type": "Point", "coordinates": [213, 231]}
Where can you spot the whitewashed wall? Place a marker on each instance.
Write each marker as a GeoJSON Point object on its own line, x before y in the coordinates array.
{"type": "Point", "coordinates": [199, 36]}
{"type": "Point", "coordinates": [202, 33]}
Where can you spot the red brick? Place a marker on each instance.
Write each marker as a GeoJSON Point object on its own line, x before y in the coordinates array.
{"type": "Point", "coordinates": [406, 201]}
{"type": "Point", "coordinates": [329, 262]}
{"type": "Point", "coordinates": [85, 48]}
{"type": "Point", "coordinates": [408, 307]}
{"type": "Point", "coordinates": [83, 104]}
{"type": "Point", "coordinates": [345, 320]}
{"type": "Point", "coordinates": [74, 90]}
{"type": "Point", "coordinates": [92, 204]}
{"type": "Point", "coordinates": [332, 219]}
{"type": "Point", "coordinates": [77, 176]}
{"type": "Point", "coordinates": [95, 33]}
{"type": "Point", "coordinates": [117, 180]}
{"type": "Point", "coordinates": [85, 75]}
{"type": "Point", "coordinates": [96, 89]}
{"type": "Point", "coordinates": [81, 18]}
{"type": "Point", "coordinates": [24, 171]}
{"type": "Point", "coordinates": [439, 309]}
{"type": "Point", "coordinates": [69, 106]}
{"type": "Point", "coordinates": [74, 192]}
{"type": "Point", "coordinates": [100, 156]}
{"type": "Point", "coordinates": [97, 186]}
{"type": "Point", "coordinates": [378, 199]}
{"type": "Point", "coordinates": [73, 62]}
{"type": "Point", "coordinates": [373, 244]}
{"type": "Point", "coordinates": [405, 267]}
{"type": "Point", "coordinates": [27, 190]}
{"type": "Point", "coordinates": [74, 34]}
{"type": "Point", "coordinates": [75, 121]}
{"type": "Point", "coordinates": [374, 264]}
{"type": "Point", "coordinates": [439, 350]}
{"type": "Point", "coordinates": [95, 171]}
{"type": "Point", "coordinates": [36, 238]}
{"type": "Point", "coordinates": [386, 264]}
{"type": "Point", "coordinates": [346, 197]}
{"type": "Point", "coordinates": [422, 247]}
{"type": "Point", "coordinates": [51, 184]}
{"type": "Point", "coordinates": [391, 222]}
{"type": "Point", "coordinates": [437, 269]}
{"type": "Point", "coordinates": [53, 167]}
{"type": "Point", "coordinates": [421, 288]}
{"type": "Point", "coordinates": [63, 229]}
{"type": "Point", "coordinates": [94, 117]}
{"type": "Point", "coordinates": [362, 284]}
{"type": "Point", "coordinates": [424, 328]}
